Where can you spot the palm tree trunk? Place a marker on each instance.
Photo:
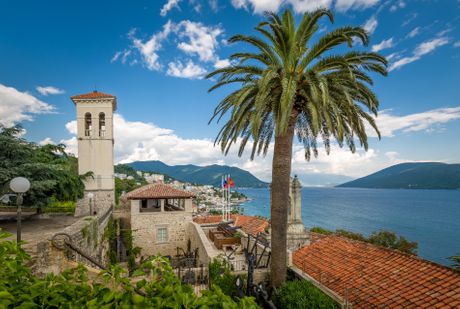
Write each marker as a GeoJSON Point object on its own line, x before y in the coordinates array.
{"type": "Point", "coordinates": [279, 202]}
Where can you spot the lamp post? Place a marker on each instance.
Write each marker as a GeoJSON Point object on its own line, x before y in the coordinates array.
{"type": "Point", "coordinates": [90, 196]}
{"type": "Point", "coordinates": [19, 185]}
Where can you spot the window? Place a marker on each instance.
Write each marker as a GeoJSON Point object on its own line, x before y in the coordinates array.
{"type": "Point", "coordinates": [143, 203]}
{"type": "Point", "coordinates": [162, 234]}
{"type": "Point", "coordinates": [88, 124]}
{"type": "Point", "coordinates": [101, 124]}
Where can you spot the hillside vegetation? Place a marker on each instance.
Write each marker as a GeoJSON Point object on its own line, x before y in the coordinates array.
{"type": "Point", "coordinates": [420, 175]}
{"type": "Point", "coordinates": [207, 175]}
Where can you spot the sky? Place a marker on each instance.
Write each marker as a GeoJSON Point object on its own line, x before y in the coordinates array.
{"type": "Point", "coordinates": [153, 56]}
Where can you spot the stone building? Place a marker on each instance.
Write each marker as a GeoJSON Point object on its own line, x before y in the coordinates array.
{"type": "Point", "coordinates": [160, 218]}
{"type": "Point", "coordinates": [297, 235]}
{"type": "Point", "coordinates": [95, 150]}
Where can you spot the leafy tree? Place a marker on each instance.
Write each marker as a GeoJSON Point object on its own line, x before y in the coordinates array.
{"type": "Point", "coordinates": [303, 294]}
{"type": "Point", "coordinates": [154, 286]}
{"type": "Point", "coordinates": [391, 240]}
{"type": "Point", "coordinates": [381, 238]}
{"type": "Point", "coordinates": [124, 185]}
{"type": "Point", "coordinates": [287, 83]}
{"type": "Point", "coordinates": [455, 262]}
{"type": "Point", "coordinates": [51, 171]}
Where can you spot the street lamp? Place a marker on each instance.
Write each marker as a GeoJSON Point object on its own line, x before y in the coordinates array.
{"type": "Point", "coordinates": [90, 196]}
{"type": "Point", "coordinates": [19, 185]}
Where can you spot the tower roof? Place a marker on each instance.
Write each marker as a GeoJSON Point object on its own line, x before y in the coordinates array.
{"type": "Point", "coordinates": [95, 95]}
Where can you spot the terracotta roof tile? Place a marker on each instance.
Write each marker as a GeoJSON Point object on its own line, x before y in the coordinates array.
{"type": "Point", "coordinates": [158, 190]}
{"type": "Point", "coordinates": [95, 95]}
{"type": "Point", "coordinates": [373, 276]}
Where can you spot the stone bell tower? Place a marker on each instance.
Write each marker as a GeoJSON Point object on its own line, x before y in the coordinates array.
{"type": "Point", "coordinates": [95, 151]}
{"type": "Point", "coordinates": [296, 233]}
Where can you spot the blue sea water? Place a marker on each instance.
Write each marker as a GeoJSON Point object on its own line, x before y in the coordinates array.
{"type": "Point", "coordinates": [429, 217]}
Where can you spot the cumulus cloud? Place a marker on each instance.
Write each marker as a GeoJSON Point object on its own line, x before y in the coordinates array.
{"type": "Point", "coordinates": [49, 90]}
{"type": "Point", "coordinates": [46, 141]}
{"type": "Point", "coordinates": [371, 24]}
{"type": "Point", "coordinates": [421, 50]}
{"type": "Point", "coordinates": [383, 45]}
{"type": "Point", "coordinates": [222, 63]}
{"type": "Point", "coordinates": [345, 5]}
{"type": "Point", "coordinates": [189, 70]}
{"type": "Point", "coordinates": [457, 44]}
{"type": "Point", "coordinates": [199, 40]}
{"type": "Point", "coordinates": [169, 5]}
{"type": "Point", "coordinates": [302, 6]}
{"type": "Point", "coordinates": [17, 106]}
{"type": "Point", "coordinates": [193, 39]}
{"type": "Point", "coordinates": [146, 49]}
{"type": "Point", "coordinates": [390, 124]}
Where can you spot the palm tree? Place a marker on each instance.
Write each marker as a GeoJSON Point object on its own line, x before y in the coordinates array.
{"type": "Point", "coordinates": [289, 85]}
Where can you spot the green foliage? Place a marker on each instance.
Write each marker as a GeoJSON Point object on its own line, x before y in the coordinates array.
{"type": "Point", "coordinates": [320, 230]}
{"type": "Point", "coordinates": [51, 171]}
{"type": "Point", "coordinates": [215, 212]}
{"type": "Point", "coordinates": [60, 206]}
{"type": "Point", "coordinates": [125, 185]}
{"type": "Point", "coordinates": [380, 238]}
{"type": "Point", "coordinates": [391, 240]}
{"type": "Point", "coordinates": [220, 276]}
{"type": "Point", "coordinates": [155, 286]}
{"type": "Point", "coordinates": [303, 294]}
{"type": "Point", "coordinates": [455, 262]}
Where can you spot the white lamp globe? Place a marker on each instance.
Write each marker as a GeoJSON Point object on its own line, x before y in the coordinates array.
{"type": "Point", "coordinates": [90, 195]}
{"type": "Point", "coordinates": [20, 184]}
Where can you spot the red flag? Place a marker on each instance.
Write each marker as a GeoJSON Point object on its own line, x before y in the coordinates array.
{"type": "Point", "coordinates": [230, 182]}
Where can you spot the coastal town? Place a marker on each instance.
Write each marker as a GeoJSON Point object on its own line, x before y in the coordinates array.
{"type": "Point", "coordinates": [226, 155]}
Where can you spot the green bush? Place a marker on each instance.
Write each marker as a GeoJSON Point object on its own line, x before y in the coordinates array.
{"type": "Point", "coordinates": [220, 276]}
{"type": "Point", "coordinates": [156, 286]}
{"type": "Point", "coordinates": [303, 294]}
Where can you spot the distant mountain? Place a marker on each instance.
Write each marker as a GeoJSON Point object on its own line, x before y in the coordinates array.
{"type": "Point", "coordinates": [423, 175]}
{"type": "Point", "coordinates": [210, 175]}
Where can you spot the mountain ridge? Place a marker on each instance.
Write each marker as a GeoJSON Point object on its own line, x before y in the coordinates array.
{"type": "Point", "coordinates": [411, 175]}
{"type": "Point", "coordinates": [207, 175]}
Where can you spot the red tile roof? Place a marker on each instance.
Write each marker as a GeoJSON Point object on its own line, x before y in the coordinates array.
{"type": "Point", "coordinates": [249, 224]}
{"type": "Point", "coordinates": [95, 95]}
{"type": "Point", "coordinates": [158, 190]}
{"type": "Point", "coordinates": [374, 277]}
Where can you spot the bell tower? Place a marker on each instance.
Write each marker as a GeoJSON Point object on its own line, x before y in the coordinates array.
{"type": "Point", "coordinates": [95, 151]}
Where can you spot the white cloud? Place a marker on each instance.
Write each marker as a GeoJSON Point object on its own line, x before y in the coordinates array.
{"type": "Point", "coordinates": [222, 63]}
{"type": "Point", "coordinates": [147, 49]}
{"type": "Point", "coordinates": [46, 141]}
{"type": "Point", "coordinates": [457, 44]}
{"type": "Point", "coordinates": [409, 19]}
{"type": "Point", "coordinates": [345, 5]}
{"type": "Point", "coordinates": [214, 5]}
{"type": "Point", "coordinates": [201, 40]}
{"type": "Point", "coordinates": [398, 5]}
{"type": "Point", "coordinates": [393, 56]}
{"type": "Point", "coordinates": [414, 32]}
{"type": "Point", "coordinates": [49, 90]}
{"type": "Point", "coordinates": [389, 124]}
{"type": "Point", "coordinates": [169, 5]}
{"type": "Point", "coordinates": [189, 70]}
{"type": "Point", "coordinates": [371, 24]}
{"type": "Point", "coordinates": [16, 106]}
{"type": "Point", "coordinates": [383, 45]}
{"type": "Point", "coordinates": [302, 6]}
{"type": "Point", "coordinates": [192, 38]}
{"type": "Point", "coordinates": [421, 50]}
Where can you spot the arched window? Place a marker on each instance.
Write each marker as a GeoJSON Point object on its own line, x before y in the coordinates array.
{"type": "Point", "coordinates": [101, 124]}
{"type": "Point", "coordinates": [88, 124]}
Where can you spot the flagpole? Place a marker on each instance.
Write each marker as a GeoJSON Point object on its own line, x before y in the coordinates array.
{"type": "Point", "coordinates": [228, 198]}
{"type": "Point", "coordinates": [222, 183]}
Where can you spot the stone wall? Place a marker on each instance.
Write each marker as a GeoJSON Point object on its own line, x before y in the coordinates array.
{"type": "Point", "coordinates": [144, 226]}
{"type": "Point", "coordinates": [206, 251]}
{"type": "Point", "coordinates": [101, 202]}
{"type": "Point", "coordinates": [88, 234]}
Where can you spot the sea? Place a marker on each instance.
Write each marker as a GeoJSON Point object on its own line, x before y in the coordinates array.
{"type": "Point", "coordinates": [429, 217]}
